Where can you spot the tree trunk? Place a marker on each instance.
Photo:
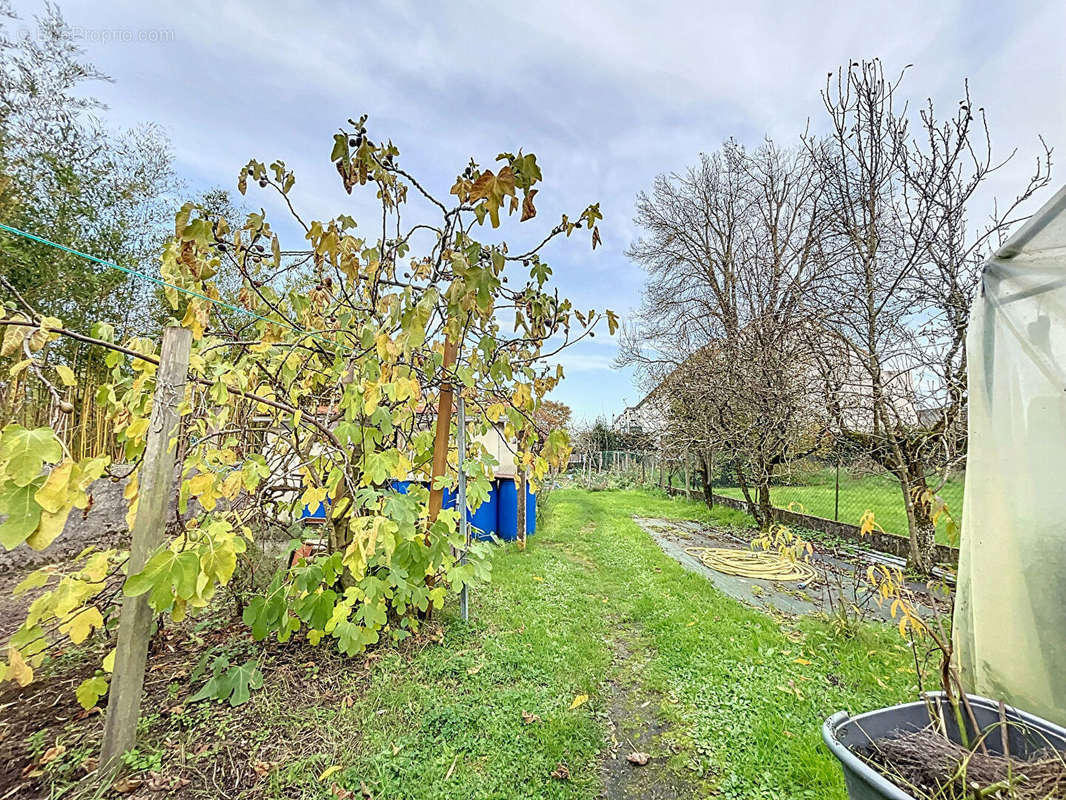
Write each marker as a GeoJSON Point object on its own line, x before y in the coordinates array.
{"type": "Point", "coordinates": [766, 510]}
{"type": "Point", "coordinates": [921, 555]}
{"type": "Point", "coordinates": [706, 474]}
{"type": "Point", "coordinates": [760, 507]}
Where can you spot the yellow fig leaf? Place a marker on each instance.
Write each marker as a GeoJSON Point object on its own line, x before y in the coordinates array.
{"type": "Point", "coordinates": [66, 374]}
{"type": "Point", "coordinates": [137, 428]}
{"type": "Point", "coordinates": [18, 670]}
{"type": "Point", "coordinates": [81, 624]}
{"type": "Point", "coordinates": [55, 493]}
{"type": "Point", "coordinates": [50, 527]}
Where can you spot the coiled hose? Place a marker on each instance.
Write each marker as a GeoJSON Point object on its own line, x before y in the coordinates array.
{"type": "Point", "coordinates": [752, 564]}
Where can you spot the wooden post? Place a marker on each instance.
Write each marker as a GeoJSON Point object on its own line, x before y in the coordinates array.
{"type": "Point", "coordinates": [836, 494]}
{"type": "Point", "coordinates": [440, 439]}
{"type": "Point", "coordinates": [156, 488]}
{"type": "Point", "coordinates": [520, 481]}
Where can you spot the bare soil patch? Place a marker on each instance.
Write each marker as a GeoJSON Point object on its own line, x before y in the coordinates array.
{"type": "Point", "coordinates": [637, 762]}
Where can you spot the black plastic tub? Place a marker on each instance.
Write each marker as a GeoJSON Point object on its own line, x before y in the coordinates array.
{"type": "Point", "coordinates": [844, 735]}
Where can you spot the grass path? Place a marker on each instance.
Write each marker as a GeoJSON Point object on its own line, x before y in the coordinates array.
{"type": "Point", "coordinates": [742, 705]}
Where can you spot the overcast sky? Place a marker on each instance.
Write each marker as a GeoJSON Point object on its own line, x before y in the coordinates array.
{"type": "Point", "coordinates": [607, 94]}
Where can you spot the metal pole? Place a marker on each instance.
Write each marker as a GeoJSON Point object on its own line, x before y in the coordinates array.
{"type": "Point", "coordinates": [464, 523]}
{"type": "Point", "coordinates": [836, 496]}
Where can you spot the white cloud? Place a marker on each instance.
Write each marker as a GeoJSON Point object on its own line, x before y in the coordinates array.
{"type": "Point", "coordinates": [607, 94]}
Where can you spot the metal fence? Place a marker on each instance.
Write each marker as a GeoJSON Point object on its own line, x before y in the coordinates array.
{"type": "Point", "coordinates": [842, 492]}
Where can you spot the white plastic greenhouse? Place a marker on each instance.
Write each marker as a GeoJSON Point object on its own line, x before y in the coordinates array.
{"type": "Point", "coordinates": [1010, 621]}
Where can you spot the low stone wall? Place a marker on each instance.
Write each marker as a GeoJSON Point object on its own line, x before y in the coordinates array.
{"type": "Point", "coordinates": [882, 542]}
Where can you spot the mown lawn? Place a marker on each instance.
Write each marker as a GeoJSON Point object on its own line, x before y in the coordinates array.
{"type": "Point", "coordinates": [592, 602]}
{"type": "Point", "coordinates": [857, 494]}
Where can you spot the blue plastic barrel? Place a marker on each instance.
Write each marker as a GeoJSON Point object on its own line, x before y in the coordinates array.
{"type": "Point", "coordinates": [319, 514]}
{"type": "Point", "coordinates": [507, 509]}
{"type": "Point", "coordinates": [507, 515]}
{"type": "Point", "coordinates": [531, 511]}
{"type": "Point", "coordinates": [484, 519]}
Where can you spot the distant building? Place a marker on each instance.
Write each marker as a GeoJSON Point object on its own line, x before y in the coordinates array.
{"type": "Point", "coordinates": [644, 418]}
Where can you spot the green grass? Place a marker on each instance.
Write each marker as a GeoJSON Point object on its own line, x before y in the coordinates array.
{"type": "Point", "coordinates": [743, 696]}
{"type": "Point", "coordinates": [745, 708]}
{"type": "Point", "coordinates": [857, 494]}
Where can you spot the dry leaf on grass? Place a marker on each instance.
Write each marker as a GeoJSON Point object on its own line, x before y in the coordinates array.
{"type": "Point", "coordinates": [580, 700]}
{"type": "Point", "coordinates": [561, 772]}
{"type": "Point", "coordinates": [639, 759]}
{"type": "Point", "coordinates": [127, 785]}
{"type": "Point", "coordinates": [529, 719]}
{"type": "Point", "coordinates": [52, 753]}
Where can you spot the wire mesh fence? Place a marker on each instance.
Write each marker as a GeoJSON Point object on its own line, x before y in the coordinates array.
{"type": "Point", "coordinates": [842, 492]}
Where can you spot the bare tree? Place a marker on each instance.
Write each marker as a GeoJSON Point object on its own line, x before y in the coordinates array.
{"type": "Point", "coordinates": [903, 267]}
{"type": "Point", "coordinates": [731, 249]}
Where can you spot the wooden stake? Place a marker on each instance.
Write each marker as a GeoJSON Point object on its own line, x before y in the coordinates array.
{"type": "Point", "coordinates": [440, 439]}
{"type": "Point", "coordinates": [520, 485]}
{"type": "Point", "coordinates": [156, 486]}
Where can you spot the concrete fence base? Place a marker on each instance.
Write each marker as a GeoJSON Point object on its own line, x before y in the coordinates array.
{"type": "Point", "coordinates": [882, 542]}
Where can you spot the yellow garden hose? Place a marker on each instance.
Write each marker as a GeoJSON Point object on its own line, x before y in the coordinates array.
{"type": "Point", "coordinates": [751, 564]}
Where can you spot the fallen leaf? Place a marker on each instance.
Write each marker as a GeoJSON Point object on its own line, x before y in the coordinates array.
{"type": "Point", "coordinates": [329, 771]}
{"type": "Point", "coordinates": [803, 661]}
{"type": "Point", "coordinates": [264, 767]}
{"type": "Point", "coordinates": [561, 772]}
{"type": "Point", "coordinates": [474, 670]}
{"type": "Point", "coordinates": [52, 753]}
{"type": "Point", "coordinates": [580, 700]}
{"type": "Point", "coordinates": [640, 759]}
{"type": "Point", "coordinates": [339, 792]}
{"type": "Point", "coordinates": [396, 749]}
{"type": "Point", "coordinates": [127, 785]}
{"type": "Point", "coordinates": [364, 791]}
{"type": "Point", "coordinates": [537, 578]}
{"type": "Point", "coordinates": [157, 782]}
{"type": "Point", "coordinates": [529, 719]}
